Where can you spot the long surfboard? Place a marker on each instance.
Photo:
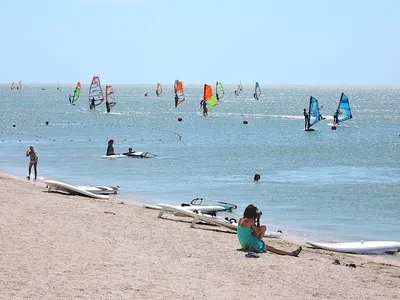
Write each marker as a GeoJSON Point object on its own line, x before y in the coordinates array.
{"type": "Point", "coordinates": [62, 186]}
{"type": "Point", "coordinates": [359, 247]}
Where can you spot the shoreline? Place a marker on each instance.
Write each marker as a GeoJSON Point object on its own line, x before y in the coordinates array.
{"type": "Point", "coordinates": [295, 237]}
{"type": "Point", "coordinates": [58, 245]}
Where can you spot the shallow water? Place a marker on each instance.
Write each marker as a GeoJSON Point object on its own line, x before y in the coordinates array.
{"type": "Point", "coordinates": [326, 185]}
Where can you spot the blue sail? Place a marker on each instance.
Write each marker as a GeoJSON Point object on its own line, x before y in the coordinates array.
{"type": "Point", "coordinates": [313, 112]}
{"type": "Point", "coordinates": [344, 109]}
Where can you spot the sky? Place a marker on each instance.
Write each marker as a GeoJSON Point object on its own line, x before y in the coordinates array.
{"type": "Point", "coordinates": [307, 42]}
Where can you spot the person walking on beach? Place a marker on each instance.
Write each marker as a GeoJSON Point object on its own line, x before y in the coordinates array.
{"type": "Point", "coordinates": [250, 233]}
{"type": "Point", "coordinates": [32, 161]}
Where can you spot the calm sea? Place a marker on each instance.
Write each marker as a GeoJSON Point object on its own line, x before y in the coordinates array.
{"type": "Point", "coordinates": [326, 185]}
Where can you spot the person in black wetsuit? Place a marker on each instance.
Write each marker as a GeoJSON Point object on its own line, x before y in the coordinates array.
{"type": "Point", "coordinates": [306, 119]}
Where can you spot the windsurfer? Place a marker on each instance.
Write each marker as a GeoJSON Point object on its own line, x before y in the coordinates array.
{"type": "Point", "coordinates": [257, 177]}
{"type": "Point", "coordinates": [70, 101]}
{"type": "Point", "coordinates": [216, 94]}
{"type": "Point", "coordinates": [306, 119]}
{"type": "Point", "coordinates": [145, 94]}
{"type": "Point", "coordinates": [92, 104]}
{"type": "Point", "coordinates": [336, 117]}
{"type": "Point", "coordinates": [204, 105]}
{"type": "Point", "coordinates": [108, 107]}
{"type": "Point", "coordinates": [176, 100]}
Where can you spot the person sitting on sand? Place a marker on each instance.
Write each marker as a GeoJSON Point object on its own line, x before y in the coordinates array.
{"type": "Point", "coordinates": [250, 233]}
{"type": "Point", "coordinates": [110, 148]}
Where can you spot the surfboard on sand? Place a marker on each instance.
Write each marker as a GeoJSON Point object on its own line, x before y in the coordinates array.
{"type": "Point", "coordinates": [359, 247]}
{"type": "Point", "coordinates": [62, 186]}
{"type": "Point", "coordinates": [205, 218]}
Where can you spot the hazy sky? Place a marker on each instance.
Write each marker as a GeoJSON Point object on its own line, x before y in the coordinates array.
{"type": "Point", "coordinates": [201, 41]}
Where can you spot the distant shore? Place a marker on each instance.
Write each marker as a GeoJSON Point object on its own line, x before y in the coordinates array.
{"type": "Point", "coordinates": [55, 245]}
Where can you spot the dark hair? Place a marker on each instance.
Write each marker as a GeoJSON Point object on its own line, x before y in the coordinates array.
{"type": "Point", "coordinates": [250, 212]}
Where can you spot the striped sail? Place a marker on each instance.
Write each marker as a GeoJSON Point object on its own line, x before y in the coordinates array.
{"type": "Point", "coordinates": [95, 92]}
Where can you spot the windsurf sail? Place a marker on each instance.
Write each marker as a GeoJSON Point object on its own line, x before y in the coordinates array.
{"type": "Point", "coordinates": [19, 85]}
{"type": "Point", "coordinates": [13, 86]}
{"type": "Point", "coordinates": [110, 98]}
{"type": "Point", "coordinates": [159, 89]}
{"type": "Point", "coordinates": [209, 98]}
{"type": "Point", "coordinates": [219, 91]}
{"type": "Point", "coordinates": [257, 91]}
{"type": "Point", "coordinates": [77, 93]}
{"type": "Point", "coordinates": [343, 111]}
{"type": "Point", "coordinates": [95, 92]}
{"type": "Point", "coordinates": [313, 112]}
{"type": "Point", "coordinates": [58, 86]}
{"type": "Point", "coordinates": [239, 89]}
{"type": "Point", "coordinates": [179, 92]}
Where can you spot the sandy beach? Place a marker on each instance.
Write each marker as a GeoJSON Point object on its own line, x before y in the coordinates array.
{"type": "Point", "coordinates": [59, 246]}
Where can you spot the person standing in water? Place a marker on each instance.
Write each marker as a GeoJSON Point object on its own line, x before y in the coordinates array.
{"type": "Point", "coordinates": [33, 160]}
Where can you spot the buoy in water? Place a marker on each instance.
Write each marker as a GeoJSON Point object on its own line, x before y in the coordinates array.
{"type": "Point", "coordinates": [245, 122]}
{"type": "Point", "coordinates": [179, 119]}
{"type": "Point", "coordinates": [333, 127]}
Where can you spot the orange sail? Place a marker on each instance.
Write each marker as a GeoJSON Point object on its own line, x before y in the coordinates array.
{"type": "Point", "coordinates": [209, 98]}
{"type": "Point", "coordinates": [179, 92]}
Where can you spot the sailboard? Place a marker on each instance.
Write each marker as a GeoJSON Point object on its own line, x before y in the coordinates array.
{"type": "Point", "coordinates": [159, 89]}
{"type": "Point", "coordinates": [343, 111]}
{"type": "Point", "coordinates": [209, 97]}
{"type": "Point", "coordinates": [95, 92]}
{"type": "Point", "coordinates": [77, 92]}
{"type": "Point", "coordinates": [110, 98]}
{"type": "Point", "coordinates": [239, 89]}
{"type": "Point", "coordinates": [13, 86]}
{"type": "Point", "coordinates": [219, 91]}
{"type": "Point", "coordinates": [314, 115]}
{"type": "Point", "coordinates": [179, 92]}
{"type": "Point", "coordinates": [257, 91]}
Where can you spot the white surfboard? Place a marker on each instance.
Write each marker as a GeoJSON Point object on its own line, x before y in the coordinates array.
{"type": "Point", "coordinates": [205, 218]}
{"type": "Point", "coordinates": [100, 189]}
{"type": "Point", "coordinates": [134, 154]}
{"type": "Point", "coordinates": [62, 186]}
{"type": "Point", "coordinates": [359, 247]}
{"type": "Point", "coordinates": [114, 156]}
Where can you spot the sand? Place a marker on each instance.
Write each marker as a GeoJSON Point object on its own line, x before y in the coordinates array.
{"type": "Point", "coordinates": [58, 246]}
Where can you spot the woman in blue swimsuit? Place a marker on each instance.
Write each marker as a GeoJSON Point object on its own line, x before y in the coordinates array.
{"type": "Point", "coordinates": [250, 233]}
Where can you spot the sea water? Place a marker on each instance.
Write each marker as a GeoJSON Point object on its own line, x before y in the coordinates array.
{"type": "Point", "coordinates": [329, 185]}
